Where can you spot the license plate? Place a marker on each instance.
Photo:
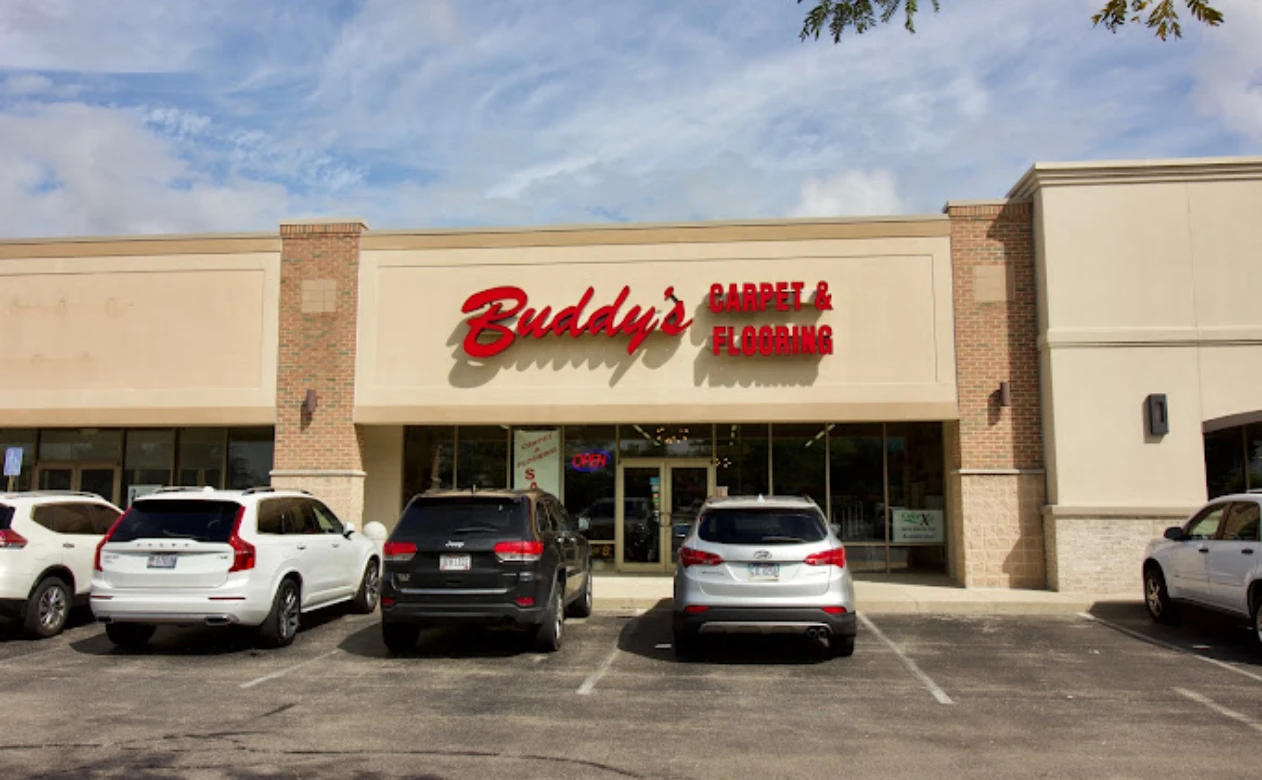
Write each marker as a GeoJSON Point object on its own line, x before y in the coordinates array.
{"type": "Point", "coordinates": [764, 571]}
{"type": "Point", "coordinates": [162, 561]}
{"type": "Point", "coordinates": [454, 563]}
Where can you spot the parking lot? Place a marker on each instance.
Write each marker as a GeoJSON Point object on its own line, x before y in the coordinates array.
{"type": "Point", "coordinates": [1062, 696]}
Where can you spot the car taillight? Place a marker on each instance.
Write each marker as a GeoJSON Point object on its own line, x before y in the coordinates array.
{"type": "Point", "coordinates": [398, 551]}
{"type": "Point", "coordinates": [696, 609]}
{"type": "Point", "coordinates": [521, 552]}
{"type": "Point", "coordinates": [242, 551]}
{"type": "Point", "coordinates": [835, 557]}
{"type": "Point", "coordinates": [96, 561]}
{"type": "Point", "coordinates": [12, 539]}
{"type": "Point", "coordinates": [690, 557]}
{"type": "Point", "coordinates": [834, 610]}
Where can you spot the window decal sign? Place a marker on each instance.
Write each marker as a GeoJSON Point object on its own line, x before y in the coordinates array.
{"type": "Point", "coordinates": [490, 334]}
{"type": "Point", "coordinates": [537, 460]}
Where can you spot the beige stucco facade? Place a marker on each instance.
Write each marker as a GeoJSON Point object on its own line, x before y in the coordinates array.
{"type": "Point", "coordinates": [891, 320]}
{"type": "Point", "coordinates": [1148, 282]}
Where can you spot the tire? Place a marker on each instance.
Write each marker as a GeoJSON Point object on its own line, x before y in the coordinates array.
{"type": "Point", "coordinates": [841, 646]}
{"type": "Point", "coordinates": [48, 609]}
{"type": "Point", "coordinates": [1255, 619]}
{"type": "Point", "coordinates": [400, 637]}
{"type": "Point", "coordinates": [687, 646]}
{"type": "Point", "coordinates": [582, 606]}
{"type": "Point", "coordinates": [129, 636]}
{"type": "Point", "coordinates": [1157, 598]}
{"type": "Point", "coordinates": [281, 624]}
{"type": "Point", "coordinates": [365, 600]}
{"type": "Point", "coordinates": [550, 632]}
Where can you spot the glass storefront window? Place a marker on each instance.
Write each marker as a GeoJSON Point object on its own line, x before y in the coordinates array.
{"type": "Point", "coordinates": [148, 459]}
{"type": "Point", "coordinates": [428, 459]}
{"type": "Point", "coordinates": [1253, 443]}
{"type": "Point", "coordinates": [1224, 462]}
{"type": "Point", "coordinates": [250, 453]}
{"type": "Point", "coordinates": [799, 455]}
{"type": "Point", "coordinates": [917, 496]}
{"type": "Point", "coordinates": [482, 456]}
{"type": "Point", "coordinates": [25, 440]}
{"type": "Point", "coordinates": [857, 482]}
{"type": "Point", "coordinates": [80, 444]}
{"type": "Point", "coordinates": [666, 441]}
{"type": "Point", "coordinates": [743, 461]}
{"type": "Point", "coordinates": [200, 457]}
{"type": "Point", "coordinates": [590, 469]}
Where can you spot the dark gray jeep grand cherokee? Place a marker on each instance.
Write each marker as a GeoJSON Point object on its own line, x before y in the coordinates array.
{"type": "Point", "coordinates": [508, 558]}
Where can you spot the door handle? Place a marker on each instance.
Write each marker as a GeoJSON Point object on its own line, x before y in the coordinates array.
{"type": "Point", "coordinates": [1202, 549]}
{"type": "Point", "coordinates": [67, 545]}
{"type": "Point", "coordinates": [302, 547]}
{"type": "Point", "coordinates": [1246, 551]}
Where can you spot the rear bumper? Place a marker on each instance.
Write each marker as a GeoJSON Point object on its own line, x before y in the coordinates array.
{"type": "Point", "coordinates": [764, 620]}
{"type": "Point", "coordinates": [155, 609]}
{"type": "Point", "coordinates": [429, 614]}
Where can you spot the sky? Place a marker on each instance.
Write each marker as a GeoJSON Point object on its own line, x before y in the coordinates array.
{"type": "Point", "coordinates": [179, 116]}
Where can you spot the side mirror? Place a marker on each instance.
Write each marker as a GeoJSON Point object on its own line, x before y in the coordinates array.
{"type": "Point", "coordinates": [584, 524]}
{"type": "Point", "coordinates": [1175, 534]}
{"type": "Point", "coordinates": [376, 531]}
{"type": "Point", "coordinates": [836, 529]}
{"type": "Point", "coordinates": [350, 527]}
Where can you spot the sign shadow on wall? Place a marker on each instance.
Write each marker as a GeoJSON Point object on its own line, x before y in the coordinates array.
{"type": "Point", "coordinates": [733, 367]}
{"type": "Point", "coordinates": [557, 353]}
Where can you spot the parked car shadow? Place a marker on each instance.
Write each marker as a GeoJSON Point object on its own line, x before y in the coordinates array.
{"type": "Point", "coordinates": [203, 640]}
{"type": "Point", "coordinates": [11, 630]}
{"type": "Point", "coordinates": [1199, 631]}
{"type": "Point", "coordinates": [464, 642]}
{"type": "Point", "coordinates": [649, 636]}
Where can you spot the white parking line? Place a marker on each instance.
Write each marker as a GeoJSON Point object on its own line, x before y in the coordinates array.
{"type": "Point", "coordinates": [590, 683]}
{"type": "Point", "coordinates": [1168, 646]}
{"type": "Point", "coordinates": [1216, 707]}
{"type": "Point", "coordinates": [916, 671]}
{"type": "Point", "coordinates": [289, 669]}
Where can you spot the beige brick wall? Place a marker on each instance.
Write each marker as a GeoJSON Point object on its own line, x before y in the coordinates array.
{"type": "Point", "coordinates": [1002, 530]}
{"type": "Point", "coordinates": [1100, 554]}
{"type": "Point", "coordinates": [998, 483]}
{"type": "Point", "coordinates": [320, 451]}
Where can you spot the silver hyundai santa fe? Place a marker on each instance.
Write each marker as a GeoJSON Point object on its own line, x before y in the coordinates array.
{"type": "Point", "coordinates": [763, 565]}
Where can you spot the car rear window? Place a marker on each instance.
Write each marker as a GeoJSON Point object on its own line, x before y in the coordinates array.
{"type": "Point", "coordinates": [760, 526]}
{"type": "Point", "coordinates": [460, 516]}
{"type": "Point", "coordinates": [202, 521]}
{"type": "Point", "coordinates": [6, 517]}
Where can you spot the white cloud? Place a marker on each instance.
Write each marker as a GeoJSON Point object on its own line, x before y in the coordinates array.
{"type": "Point", "coordinates": [851, 193]}
{"type": "Point", "coordinates": [1229, 72]}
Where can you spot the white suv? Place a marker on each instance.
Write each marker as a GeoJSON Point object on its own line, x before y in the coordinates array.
{"type": "Point", "coordinates": [258, 557]}
{"type": "Point", "coordinates": [46, 545]}
{"type": "Point", "coordinates": [1213, 560]}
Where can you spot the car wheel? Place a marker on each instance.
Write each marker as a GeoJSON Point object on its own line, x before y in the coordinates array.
{"type": "Point", "coordinates": [841, 646]}
{"type": "Point", "coordinates": [548, 635]}
{"type": "Point", "coordinates": [129, 636]}
{"type": "Point", "coordinates": [48, 608]}
{"type": "Point", "coordinates": [687, 645]}
{"type": "Point", "coordinates": [1160, 608]}
{"type": "Point", "coordinates": [369, 589]}
{"type": "Point", "coordinates": [1255, 620]}
{"type": "Point", "coordinates": [281, 625]}
{"type": "Point", "coordinates": [582, 606]}
{"type": "Point", "coordinates": [400, 637]}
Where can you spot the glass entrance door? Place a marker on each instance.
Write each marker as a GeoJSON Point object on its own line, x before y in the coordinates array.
{"type": "Point", "coordinates": [657, 501]}
{"type": "Point", "coordinates": [98, 478]}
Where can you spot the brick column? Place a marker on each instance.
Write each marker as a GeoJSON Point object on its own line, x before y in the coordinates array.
{"type": "Point", "coordinates": [997, 476]}
{"type": "Point", "coordinates": [319, 449]}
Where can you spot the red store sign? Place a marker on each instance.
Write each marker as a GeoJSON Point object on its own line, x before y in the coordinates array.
{"type": "Point", "coordinates": [769, 340]}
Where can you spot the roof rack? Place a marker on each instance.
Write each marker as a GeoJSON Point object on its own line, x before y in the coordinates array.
{"type": "Point", "coordinates": [270, 489]}
{"type": "Point", "coordinates": [39, 493]}
{"type": "Point", "coordinates": [184, 489]}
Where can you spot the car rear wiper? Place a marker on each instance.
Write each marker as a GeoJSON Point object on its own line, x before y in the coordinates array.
{"type": "Point", "coordinates": [786, 539]}
{"type": "Point", "coordinates": [469, 529]}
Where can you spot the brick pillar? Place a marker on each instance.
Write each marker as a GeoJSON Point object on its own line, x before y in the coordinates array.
{"type": "Point", "coordinates": [998, 481]}
{"type": "Point", "coordinates": [319, 450]}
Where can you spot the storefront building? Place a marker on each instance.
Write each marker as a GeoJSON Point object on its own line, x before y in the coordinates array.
{"type": "Point", "coordinates": [1013, 393]}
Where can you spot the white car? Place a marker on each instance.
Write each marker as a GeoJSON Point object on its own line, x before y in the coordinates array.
{"type": "Point", "coordinates": [258, 557]}
{"type": "Point", "coordinates": [1213, 560]}
{"type": "Point", "coordinates": [47, 540]}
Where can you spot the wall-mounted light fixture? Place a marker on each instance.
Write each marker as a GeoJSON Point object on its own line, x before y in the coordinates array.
{"type": "Point", "coordinates": [1005, 394]}
{"type": "Point", "coordinates": [1158, 415]}
{"type": "Point", "coordinates": [309, 403]}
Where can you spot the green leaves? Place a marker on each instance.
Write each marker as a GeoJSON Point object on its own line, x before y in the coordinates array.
{"type": "Point", "coordinates": [1161, 16]}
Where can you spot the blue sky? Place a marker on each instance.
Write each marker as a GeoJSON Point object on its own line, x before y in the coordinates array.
{"type": "Point", "coordinates": [140, 116]}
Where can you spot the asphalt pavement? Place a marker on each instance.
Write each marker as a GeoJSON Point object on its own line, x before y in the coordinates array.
{"type": "Point", "coordinates": [1104, 694]}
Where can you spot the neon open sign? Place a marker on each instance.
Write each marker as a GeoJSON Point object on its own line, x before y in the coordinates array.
{"type": "Point", "coordinates": [593, 460]}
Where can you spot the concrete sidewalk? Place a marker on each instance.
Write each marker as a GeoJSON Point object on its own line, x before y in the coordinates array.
{"type": "Point", "coordinates": [623, 593]}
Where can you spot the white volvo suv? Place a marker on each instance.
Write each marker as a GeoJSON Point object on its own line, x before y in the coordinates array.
{"type": "Point", "coordinates": [1213, 560]}
{"type": "Point", "coordinates": [258, 557]}
{"type": "Point", "coordinates": [47, 540]}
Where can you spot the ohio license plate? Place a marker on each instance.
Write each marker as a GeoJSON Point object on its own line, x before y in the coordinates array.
{"type": "Point", "coordinates": [454, 563]}
{"type": "Point", "coordinates": [162, 561]}
{"type": "Point", "coordinates": [764, 571]}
